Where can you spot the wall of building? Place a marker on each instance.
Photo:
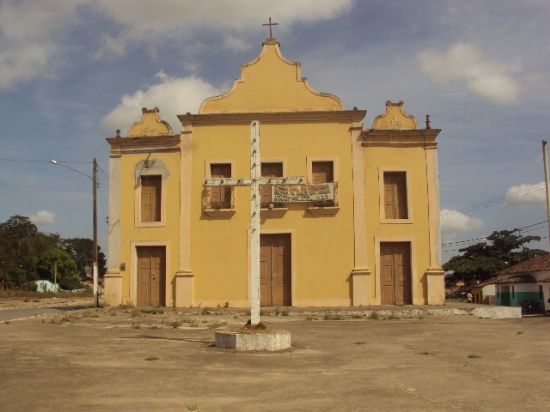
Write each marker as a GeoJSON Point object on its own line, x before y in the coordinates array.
{"type": "Point", "coordinates": [134, 234]}
{"type": "Point", "coordinates": [415, 229]}
{"type": "Point", "coordinates": [521, 293]}
{"type": "Point", "coordinates": [322, 246]}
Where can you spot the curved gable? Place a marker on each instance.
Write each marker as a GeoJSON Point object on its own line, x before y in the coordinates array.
{"type": "Point", "coordinates": [271, 83]}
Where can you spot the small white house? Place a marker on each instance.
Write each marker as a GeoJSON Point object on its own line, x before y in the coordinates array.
{"type": "Point", "coordinates": [45, 286]}
{"type": "Point", "coordinates": [527, 282]}
{"type": "Point", "coordinates": [485, 292]}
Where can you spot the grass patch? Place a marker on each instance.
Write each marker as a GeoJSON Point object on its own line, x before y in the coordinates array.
{"type": "Point", "coordinates": [174, 324]}
{"type": "Point", "coordinates": [374, 315]}
{"type": "Point", "coordinates": [217, 325]}
{"type": "Point", "coordinates": [332, 316]}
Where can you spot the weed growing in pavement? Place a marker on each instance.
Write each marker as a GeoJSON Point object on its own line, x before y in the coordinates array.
{"type": "Point", "coordinates": [226, 305]}
{"type": "Point", "coordinates": [312, 318]}
{"type": "Point", "coordinates": [284, 312]}
{"type": "Point", "coordinates": [361, 342]}
{"type": "Point", "coordinates": [374, 315]}
{"type": "Point", "coordinates": [393, 316]}
{"type": "Point", "coordinates": [90, 314]}
{"type": "Point", "coordinates": [193, 408]}
{"type": "Point", "coordinates": [135, 313]}
{"type": "Point", "coordinates": [332, 316]}
{"type": "Point", "coordinates": [136, 325]}
{"type": "Point", "coordinates": [151, 358]}
{"type": "Point", "coordinates": [174, 324]}
{"type": "Point", "coordinates": [217, 325]}
{"type": "Point", "coordinates": [190, 322]}
{"type": "Point", "coordinates": [357, 316]}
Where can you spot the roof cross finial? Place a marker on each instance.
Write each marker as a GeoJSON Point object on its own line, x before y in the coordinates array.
{"type": "Point", "coordinates": [270, 28]}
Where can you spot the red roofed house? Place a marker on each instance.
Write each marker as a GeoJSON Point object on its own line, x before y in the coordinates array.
{"type": "Point", "coordinates": [526, 284]}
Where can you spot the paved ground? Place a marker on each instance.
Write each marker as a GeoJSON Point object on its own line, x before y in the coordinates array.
{"type": "Point", "coordinates": [127, 359]}
{"type": "Point", "coordinates": [20, 308]}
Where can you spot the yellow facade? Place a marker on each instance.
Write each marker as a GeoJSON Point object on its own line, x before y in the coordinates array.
{"type": "Point", "coordinates": [334, 249]}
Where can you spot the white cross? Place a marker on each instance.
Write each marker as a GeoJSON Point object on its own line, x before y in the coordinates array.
{"type": "Point", "coordinates": [254, 182]}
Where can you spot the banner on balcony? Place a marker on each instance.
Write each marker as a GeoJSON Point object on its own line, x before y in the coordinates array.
{"type": "Point", "coordinates": [302, 193]}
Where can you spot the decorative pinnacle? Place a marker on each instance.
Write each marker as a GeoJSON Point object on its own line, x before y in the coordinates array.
{"type": "Point", "coordinates": [117, 132]}
{"type": "Point", "coordinates": [428, 122]}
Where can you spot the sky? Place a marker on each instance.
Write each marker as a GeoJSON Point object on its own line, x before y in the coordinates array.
{"type": "Point", "coordinates": [74, 71]}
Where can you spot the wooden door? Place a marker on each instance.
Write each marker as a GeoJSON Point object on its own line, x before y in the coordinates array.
{"type": "Point", "coordinates": [151, 276]}
{"type": "Point", "coordinates": [275, 266]}
{"type": "Point", "coordinates": [395, 273]}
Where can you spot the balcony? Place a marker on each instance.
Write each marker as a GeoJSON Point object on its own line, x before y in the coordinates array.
{"type": "Point", "coordinates": [218, 200]}
{"type": "Point", "coordinates": [218, 195]}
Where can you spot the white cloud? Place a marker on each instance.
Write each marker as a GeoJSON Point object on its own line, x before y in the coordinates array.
{"type": "Point", "coordinates": [172, 96]}
{"type": "Point", "coordinates": [29, 34]}
{"type": "Point", "coordinates": [33, 32]}
{"type": "Point", "coordinates": [526, 194]}
{"type": "Point", "coordinates": [42, 217]}
{"type": "Point", "coordinates": [150, 22]}
{"type": "Point", "coordinates": [466, 63]}
{"type": "Point", "coordinates": [454, 222]}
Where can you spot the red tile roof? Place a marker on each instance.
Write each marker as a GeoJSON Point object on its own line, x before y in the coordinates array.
{"type": "Point", "coordinates": [535, 264]}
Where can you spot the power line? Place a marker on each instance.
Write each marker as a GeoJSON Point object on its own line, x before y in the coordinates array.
{"type": "Point", "coordinates": [42, 161]}
{"type": "Point", "coordinates": [496, 201]}
{"type": "Point", "coordinates": [531, 227]}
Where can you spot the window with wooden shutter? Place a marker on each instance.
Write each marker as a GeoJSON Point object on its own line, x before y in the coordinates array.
{"type": "Point", "coordinates": [395, 195]}
{"type": "Point", "coordinates": [322, 172]}
{"type": "Point", "coordinates": [269, 169]}
{"type": "Point", "coordinates": [151, 187]}
{"type": "Point", "coordinates": [220, 196]}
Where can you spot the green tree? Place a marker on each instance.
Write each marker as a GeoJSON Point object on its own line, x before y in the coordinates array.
{"type": "Point", "coordinates": [480, 261]}
{"type": "Point", "coordinates": [81, 251]}
{"type": "Point", "coordinates": [67, 274]}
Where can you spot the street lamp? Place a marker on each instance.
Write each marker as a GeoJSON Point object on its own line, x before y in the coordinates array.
{"type": "Point", "coordinates": [94, 200]}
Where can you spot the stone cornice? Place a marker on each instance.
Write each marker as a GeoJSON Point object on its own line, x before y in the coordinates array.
{"type": "Point", "coordinates": [400, 138]}
{"type": "Point", "coordinates": [144, 144]}
{"type": "Point", "coordinates": [336, 116]}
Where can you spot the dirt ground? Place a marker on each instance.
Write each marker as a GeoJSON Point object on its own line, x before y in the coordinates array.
{"type": "Point", "coordinates": [128, 359]}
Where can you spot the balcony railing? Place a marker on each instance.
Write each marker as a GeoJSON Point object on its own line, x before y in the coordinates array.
{"type": "Point", "coordinates": [222, 196]}
{"type": "Point", "coordinates": [218, 198]}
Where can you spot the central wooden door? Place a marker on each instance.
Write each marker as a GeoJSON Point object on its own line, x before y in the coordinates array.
{"type": "Point", "coordinates": [395, 273]}
{"type": "Point", "coordinates": [151, 275]}
{"type": "Point", "coordinates": [275, 276]}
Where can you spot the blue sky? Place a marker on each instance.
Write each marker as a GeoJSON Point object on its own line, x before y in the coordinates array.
{"type": "Point", "coordinates": [71, 72]}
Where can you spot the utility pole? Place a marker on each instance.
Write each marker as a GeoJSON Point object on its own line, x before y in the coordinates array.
{"type": "Point", "coordinates": [94, 251]}
{"type": "Point", "coordinates": [55, 274]}
{"type": "Point", "coordinates": [547, 183]}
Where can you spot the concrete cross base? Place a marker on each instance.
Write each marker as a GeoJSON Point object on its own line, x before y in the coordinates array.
{"type": "Point", "coordinates": [273, 340]}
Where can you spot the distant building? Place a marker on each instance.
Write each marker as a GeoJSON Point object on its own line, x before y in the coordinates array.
{"type": "Point", "coordinates": [44, 286]}
{"type": "Point", "coordinates": [525, 284]}
{"type": "Point", "coordinates": [350, 214]}
{"type": "Point", "coordinates": [485, 292]}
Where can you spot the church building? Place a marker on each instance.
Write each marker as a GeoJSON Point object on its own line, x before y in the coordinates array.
{"type": "Point", "coordinates": [349, 213]}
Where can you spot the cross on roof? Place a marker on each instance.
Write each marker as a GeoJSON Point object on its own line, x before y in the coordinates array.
{"type": "Point", "coordinates": [270, 27]}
